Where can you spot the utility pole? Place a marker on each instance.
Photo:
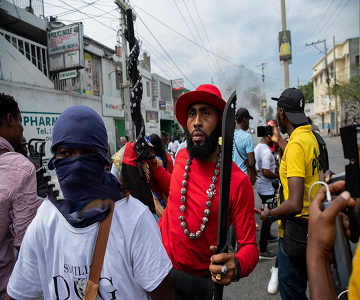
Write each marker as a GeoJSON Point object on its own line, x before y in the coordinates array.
{"type": "Point", "coordinates": [327, 73]}
{"type": "Point", "coordinates": [126, 86]}
{"type": "Point", "coordinates": [263, 104]}
{"type": "Point", "coordinates": [212, 81]}
{"type": "Point", "coordinates": [283, 28]}
{"type": "Point", "coordinates": [336, 97]}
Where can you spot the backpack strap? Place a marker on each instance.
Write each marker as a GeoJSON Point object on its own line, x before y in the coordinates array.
{"type": "Point", "coordinates": [324, 157]}
{"type": "Point", "coordinates": [92, 286]}
{"type": "Point", "coordinates": [240, 154]}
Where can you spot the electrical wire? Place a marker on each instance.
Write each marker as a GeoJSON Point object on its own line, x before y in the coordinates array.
{"type": "Point", "coordinates": [300, 63]}
{"type": "Point", "coordinates": [215, 72]}
{"type": "Point", "coordinates": [88, 16]}
{"type": "Point", "coordinates": [338, 15]}
{"type": "Point", "coordinates": [193, 35]}
{"type": "Point", "coordinates": [331, 17]}
{"type": "Point", "coordinates": [230, 62]}
{"type": "Point", "coordinates": [164, 49]}
{"type": "Point", "coordinates": [158, 54]}
{"type": "Point", "coordinates": [153, 61]}
{"type": "Point", "coordinates": [221, 72]}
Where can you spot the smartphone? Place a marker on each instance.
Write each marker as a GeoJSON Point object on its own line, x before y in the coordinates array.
{"type": "Point", "coordinates": [263, 131]}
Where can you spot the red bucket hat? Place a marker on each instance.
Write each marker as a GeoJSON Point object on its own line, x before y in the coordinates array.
{"type": "Point", "coordinates": [206, 93]}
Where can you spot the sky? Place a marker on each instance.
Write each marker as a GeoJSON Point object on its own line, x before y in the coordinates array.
{"type": "Point", "coordinates": [224, 42]}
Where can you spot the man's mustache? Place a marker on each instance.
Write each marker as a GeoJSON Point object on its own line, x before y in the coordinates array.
{"type": "Point", "coordinates": [198, 130]}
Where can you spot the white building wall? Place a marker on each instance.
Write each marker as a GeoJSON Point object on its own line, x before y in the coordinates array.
{"type": "Point", "coordinates": [15, 67]}
{"type": "Point", "coordinates": [36, 101]}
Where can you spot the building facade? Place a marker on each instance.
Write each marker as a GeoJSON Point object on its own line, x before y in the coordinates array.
{"type": "Point", "coordinates": [332, 110]}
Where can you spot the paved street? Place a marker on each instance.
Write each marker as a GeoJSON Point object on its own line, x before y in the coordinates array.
{"type": "Point", "coordinates": [255, 286]}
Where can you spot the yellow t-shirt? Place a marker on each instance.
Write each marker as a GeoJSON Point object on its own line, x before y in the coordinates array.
{"type": "Point", "coordinates": [301, 158]}
{"type": "Point", "coordinates": [354, 284]}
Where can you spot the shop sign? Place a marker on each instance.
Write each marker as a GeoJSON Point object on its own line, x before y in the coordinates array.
{"type": "Point", "coordinates": [112, 107]}
{"type": "Point", "coordinates": [68, 74]}
{"type": "Point", "coordinates": [66, 47]}
{"type": "Point", "coordinates": [39, 125]}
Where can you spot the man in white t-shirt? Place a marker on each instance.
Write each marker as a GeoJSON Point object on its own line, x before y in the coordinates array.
{"type": "Point", "coordinates": [57, 250]}
{"type": "Point", "coordinates": [173, 145]}
{"type": "Point", "coordinates": [265, 164]}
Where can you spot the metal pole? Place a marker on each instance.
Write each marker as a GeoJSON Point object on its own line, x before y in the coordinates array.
{"type": "Point", "coordinates": [129, 127]}
{"type": "Point", "coordinates": [264, 97]}
{"type": "Point", "coordinates": [328, 81]}
{"type": "Point", "coordinates": [283, 27]}
{"type": "Point", "coordinates": [336, 97]}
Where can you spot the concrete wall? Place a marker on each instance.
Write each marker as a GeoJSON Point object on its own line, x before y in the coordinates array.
{"type": "Point", "coordinates": [146, 76]}
{"type": "Point", "coordinates": [46, 101]}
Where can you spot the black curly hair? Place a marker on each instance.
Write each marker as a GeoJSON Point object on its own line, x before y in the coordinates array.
{"type": "Point", "coordinates": [8, 105]}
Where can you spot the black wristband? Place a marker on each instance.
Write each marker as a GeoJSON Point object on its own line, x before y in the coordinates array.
{"type": "Point", "coordinates": [238, 271]}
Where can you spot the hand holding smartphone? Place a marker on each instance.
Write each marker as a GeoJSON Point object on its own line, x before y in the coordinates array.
{"type": "Point", "coordinates": [264, 131]}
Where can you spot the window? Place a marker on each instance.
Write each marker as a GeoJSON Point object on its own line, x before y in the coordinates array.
{"type": "Point", "coordinates": [321, 76]}
{"type": "Point", "coordinates": [316, 101]}
{"type": "Point", "coordinates": [118, 77]}
{"type": "Point", "coordinates": [147, 88]}
{"type": "Point", "coordinates": [332, 71]}
{"type": "Point", "coordinates": [322, 100]}
{"type": "Point", "coordinates": [165, 92]}
{"type": "Point", "coordinates": [315, 81]}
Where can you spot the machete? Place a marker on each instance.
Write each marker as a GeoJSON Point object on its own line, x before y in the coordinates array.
{"type": "Point", "coordinates": [228, 124]}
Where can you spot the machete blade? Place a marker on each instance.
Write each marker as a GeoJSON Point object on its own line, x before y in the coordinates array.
{"type": "Point", "coordinates": [228, 124]}
{"type": "Point", "coordinates": [228, 127]}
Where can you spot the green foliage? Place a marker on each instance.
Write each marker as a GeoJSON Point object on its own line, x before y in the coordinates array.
{"type": "Point", "coordinates": [308, 91]}
{"type": "Point", "coordinates": [349, 90]}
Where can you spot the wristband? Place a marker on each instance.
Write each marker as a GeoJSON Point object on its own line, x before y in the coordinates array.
{"type": "Point", "coordinates": [238, 268]}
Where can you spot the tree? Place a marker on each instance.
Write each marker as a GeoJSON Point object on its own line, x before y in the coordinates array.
{"type": "Point", "coordinates": [349, 93]}
{"type": "Point", "coordinates": [348, 90]}
{"type": "Point", "coordinates": [308, 91]}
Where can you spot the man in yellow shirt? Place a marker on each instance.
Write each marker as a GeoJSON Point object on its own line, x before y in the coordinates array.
{"type": "Point", "coordinates": [299, 169]}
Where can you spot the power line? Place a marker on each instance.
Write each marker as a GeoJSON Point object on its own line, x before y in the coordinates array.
{"type": "Point", "coordinates": [158, 53]}
{"type": "Point", "coordinates": [230, 62]}
{"type": "Point", "coordinates": [67, 11]}
{"type": "Point", "coordinates": [302, 66]}
{"type": "Point", "coordinates": [88, 15]}
{"type": "Point", "coordinates": [338, 15]}
{"type": "Point", "coordinates": [193, 35]}
{"type": "Point", "coordinates": [221, 72]}
{"type": "Point", "coordinates": [331, 16]}
{"type": "Point", "coordinates": [164, 49]}
{"type": "Point", "coordinates": [153, 61]}
{"type": "Point", "coordinates": [308, 49]}
{"type": "Point", "coordinates": [215, 72]}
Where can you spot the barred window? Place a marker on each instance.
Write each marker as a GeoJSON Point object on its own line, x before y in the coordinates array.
{"type": "Point", "coordinates": [148, 88]}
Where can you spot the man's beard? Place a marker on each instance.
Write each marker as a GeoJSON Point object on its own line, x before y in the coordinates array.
{"type": "Point", "coordinates": [203, 152]}
{"type": "Point", "coordinates": [281, 125]}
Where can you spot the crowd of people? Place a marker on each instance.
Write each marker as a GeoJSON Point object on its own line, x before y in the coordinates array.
{"type": "Point", "coordinates": [164, 212]}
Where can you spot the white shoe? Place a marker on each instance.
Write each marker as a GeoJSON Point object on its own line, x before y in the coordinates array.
{"type": "Point", "coordinates": [273, 285]}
